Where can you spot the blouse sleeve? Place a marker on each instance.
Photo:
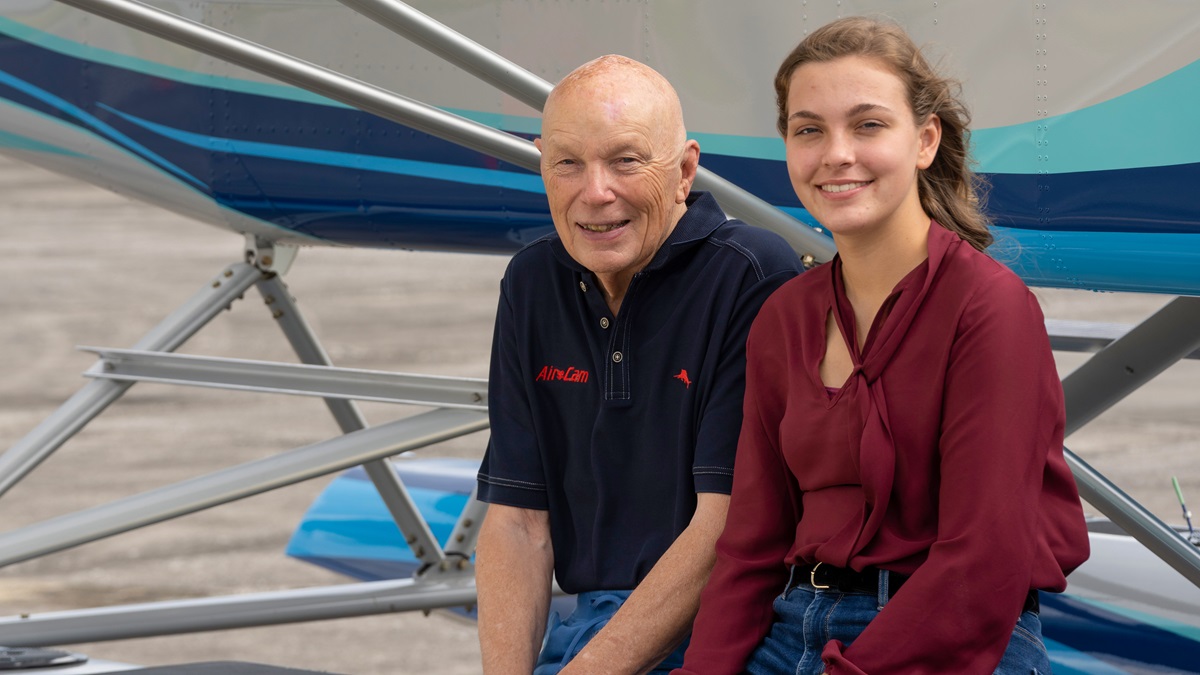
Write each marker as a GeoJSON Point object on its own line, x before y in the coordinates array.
{"type": "Point", "coordinates": [736, 606]}
{"type": "Point", "coordinates": [1002, 417]}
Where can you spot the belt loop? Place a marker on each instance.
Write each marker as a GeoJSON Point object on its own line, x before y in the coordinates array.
{"type": "Point", "coordinates": [882, 596]}
{"type": "Point", "coordinates": [791, 579]}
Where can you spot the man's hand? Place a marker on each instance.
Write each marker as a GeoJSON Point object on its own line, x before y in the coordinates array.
{"type": "Point", "coordinates": [659, 614]}
{"type": "Point", "coordinates": [514, 565]}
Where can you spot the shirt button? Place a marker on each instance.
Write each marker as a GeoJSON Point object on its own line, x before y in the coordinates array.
{"type": "Point", "coordinates": [617, 357]}
{"type": "Point", "coordinates": [583, 287]}
{"type": "Point", "coordinates": [604, 322]}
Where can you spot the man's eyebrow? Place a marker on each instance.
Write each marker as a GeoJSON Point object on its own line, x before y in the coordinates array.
{"type": "Point", "coordinates": [856, 110]}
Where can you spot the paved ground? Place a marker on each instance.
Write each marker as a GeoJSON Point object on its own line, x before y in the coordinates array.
{"type": "Point", "coordinates": [82, 266]}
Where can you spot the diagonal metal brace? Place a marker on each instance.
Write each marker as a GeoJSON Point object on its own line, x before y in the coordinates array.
{"type": "Point", "coordinates": [237, 482]}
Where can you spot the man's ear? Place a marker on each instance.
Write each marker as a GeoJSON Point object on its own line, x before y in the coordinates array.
{"type": "Point", "coordinates": [537, 143]}
{"type": "Point", "coordinates": [688, 165]}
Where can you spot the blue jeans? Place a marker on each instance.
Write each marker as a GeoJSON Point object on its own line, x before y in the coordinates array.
{"type": "Point", "coordinates": [806, 619]}
{"type": "Point", "coordinates": [565, 639]}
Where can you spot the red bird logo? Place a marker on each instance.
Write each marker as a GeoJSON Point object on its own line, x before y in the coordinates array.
{"type": "Point", "coordinates": [683, 377]}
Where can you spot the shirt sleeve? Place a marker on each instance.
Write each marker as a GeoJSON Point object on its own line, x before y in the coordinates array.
{"type": "Point", "coordinates": [721, 417]}
{"type": "Point", "coordinates": [1002, 418]}
{"type": "Point", "coordinates": [736, 605]}
{"type": "Point", "coordinates": [511, 472]}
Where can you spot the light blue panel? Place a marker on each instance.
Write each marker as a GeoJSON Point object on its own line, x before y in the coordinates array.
{"type": "Point", "coordinates": [1114, 261]}
{"type": "Point", "coordinates": [350, 520]}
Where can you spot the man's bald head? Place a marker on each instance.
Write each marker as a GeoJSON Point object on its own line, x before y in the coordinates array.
{"type": "Point", "coordinates": [620, 83]}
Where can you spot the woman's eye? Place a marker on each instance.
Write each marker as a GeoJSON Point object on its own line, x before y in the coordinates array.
{"type": "Point", "coordinates": [872, 125]}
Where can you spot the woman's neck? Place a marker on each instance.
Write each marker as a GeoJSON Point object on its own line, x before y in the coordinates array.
{"type": "Point", "coordinates": [873, 265]}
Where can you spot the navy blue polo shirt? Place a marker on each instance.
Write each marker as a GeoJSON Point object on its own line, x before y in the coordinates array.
{"type": "Point", "coordinates": [614, 423]}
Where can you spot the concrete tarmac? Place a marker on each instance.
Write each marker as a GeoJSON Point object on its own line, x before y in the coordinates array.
{"type": "Point", "coordinates": [81, 266]}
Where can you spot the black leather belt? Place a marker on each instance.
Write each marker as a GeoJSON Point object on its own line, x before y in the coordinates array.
{"type": "Point", "coordinates": [846, 580]}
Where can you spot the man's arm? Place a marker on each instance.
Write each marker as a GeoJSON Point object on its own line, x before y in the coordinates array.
{"type": "Point", "coordinates": [658, 615]}
{"type": "Point", "coordinates": [514, 568]}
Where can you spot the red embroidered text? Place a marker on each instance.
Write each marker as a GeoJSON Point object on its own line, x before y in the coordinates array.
{"type": "Point", "coordinates": [569, 374]}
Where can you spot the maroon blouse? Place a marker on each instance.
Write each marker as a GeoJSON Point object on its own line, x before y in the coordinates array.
{"type": "Point", "coordinates": [940, 457]}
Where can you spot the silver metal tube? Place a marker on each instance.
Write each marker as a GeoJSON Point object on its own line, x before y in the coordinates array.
{"type": "Point", "coordinates": [395, 496]}
{"type": "Point", "coordinates": [95, 396]}
{"type": "Point", "coordinates": [316, 79]}
{"type": "Point", "coordinates": [532, 90]}
{"type": "Point", "coordinates": [127, 365]}
{"type": "Point", "coordinates": [237, 482]}
{"type": "Point", "coordinates": [462, 51]}
{"type": "Point", "coordinates": [1132, 517]}
{"type": "Point", "coordinates": [236, 611]}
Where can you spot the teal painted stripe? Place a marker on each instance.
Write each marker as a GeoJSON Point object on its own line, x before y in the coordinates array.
{"type": "Point", "coordinates": [1070, 661]}
{"type": "Point", "coordinates": [94, 123]}
{"type": "Point", "coordinates": [17, 142]}
{"type": "Point", "coordinates": [1145, 127]}
{"type": "Point", "coordinates": [403, 167]}
{"type": "Point", "coordinates": [53, 42]}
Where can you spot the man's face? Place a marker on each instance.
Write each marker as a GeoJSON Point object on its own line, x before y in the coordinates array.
{"type": "Point", "coordinates": [611, 162]}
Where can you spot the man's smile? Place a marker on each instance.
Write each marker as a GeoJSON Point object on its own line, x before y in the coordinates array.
{"type": "Point", "coordinates": [603, 227]}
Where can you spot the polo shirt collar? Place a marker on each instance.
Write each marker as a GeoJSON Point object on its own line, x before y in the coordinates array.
{"type": "Point", "coordinates": [703, 215]}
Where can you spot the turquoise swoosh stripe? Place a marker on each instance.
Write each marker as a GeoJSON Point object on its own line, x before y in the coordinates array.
{"type": "Point", "coordinates": [403, 167]}
{"type": "Point", "coordinates": [17, 142]}
{"type": "Point", "coordinates": [94, 123]}
{"type": "Point", "coordinates": [1142, 128]}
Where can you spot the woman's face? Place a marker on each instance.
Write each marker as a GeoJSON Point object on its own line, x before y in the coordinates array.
{"type": "Point", "coordinates": [853, 149]}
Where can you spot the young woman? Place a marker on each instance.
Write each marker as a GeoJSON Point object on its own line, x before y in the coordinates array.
{"type": "Point", "coordinates": [900, 474]}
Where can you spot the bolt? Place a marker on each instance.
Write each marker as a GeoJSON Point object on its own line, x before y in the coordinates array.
{"type": "Point", "coordinates": [460, 538]}
{"type": "Point", "coordinates": [462, 564]}
{"type": "Point", "coordinates": [216, 284]}
{"type": "Point", "coordinates": [269, 300]}
{"type": "Point", "coordinates": [267, 260]}
{"type": "Point", "coordinates": [467, 522]}
{"type": "Point", "coordinates": [228, 273]}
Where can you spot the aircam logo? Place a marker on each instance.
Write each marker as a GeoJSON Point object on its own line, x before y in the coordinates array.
{"type": "Point", "coordinates": [570, 374]}
{"type": "Point", "coordinates": [683, 377]}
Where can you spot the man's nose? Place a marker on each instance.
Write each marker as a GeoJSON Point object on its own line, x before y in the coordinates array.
{"type": "Point", "coordinates": [597, 187]}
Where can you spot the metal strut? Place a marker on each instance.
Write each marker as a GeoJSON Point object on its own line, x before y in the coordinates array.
{"type": "Point", "coordinates": [95, 396]}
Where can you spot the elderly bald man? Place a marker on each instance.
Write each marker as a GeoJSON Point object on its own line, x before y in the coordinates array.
{"type": "Point", "coordinates": [616, 387]}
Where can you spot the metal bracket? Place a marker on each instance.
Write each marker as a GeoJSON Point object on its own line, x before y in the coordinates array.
{"type": "Point", "coordinates": [270, 256]}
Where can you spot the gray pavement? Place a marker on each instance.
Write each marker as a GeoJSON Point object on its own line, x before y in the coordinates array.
{"type": "Point", "coordinates": [79, 265]}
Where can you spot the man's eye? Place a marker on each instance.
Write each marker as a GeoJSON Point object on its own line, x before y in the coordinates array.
{"type": "Point", "coordinates": [804, 131]}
